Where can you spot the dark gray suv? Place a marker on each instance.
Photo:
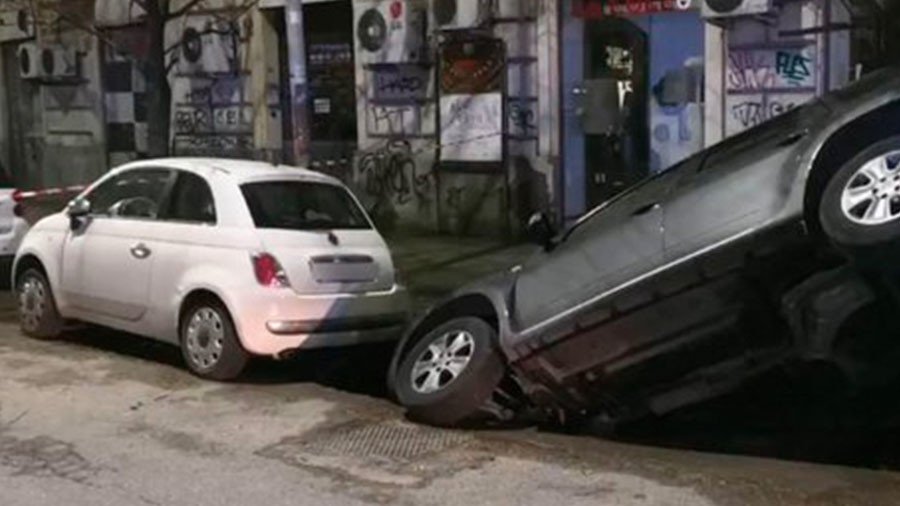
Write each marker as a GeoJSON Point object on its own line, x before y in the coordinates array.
{"type": "Point", "coordinates": [777, 246]}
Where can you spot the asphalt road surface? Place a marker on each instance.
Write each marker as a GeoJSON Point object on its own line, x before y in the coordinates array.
{"type": "Point", "coordinates": [103, 418]}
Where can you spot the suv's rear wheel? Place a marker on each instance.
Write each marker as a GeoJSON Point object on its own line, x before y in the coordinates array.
{"type": "Point", "coordinates": [209, 342]}
{"type": "Point", "coordinates": [860, 208]}
{"type": "Point", "coordinates": [449, 376]}
{"type": "Point", "coordinates": [38, 316]}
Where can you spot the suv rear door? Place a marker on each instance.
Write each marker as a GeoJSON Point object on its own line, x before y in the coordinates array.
{"type": "Point", "coordinates": [743, 183]}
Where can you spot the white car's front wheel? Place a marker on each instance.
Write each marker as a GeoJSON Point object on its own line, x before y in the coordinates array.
{"type": "Point", "coordinates": [209, 342]}
{"type": "Point", "coordinates": [38, 316]}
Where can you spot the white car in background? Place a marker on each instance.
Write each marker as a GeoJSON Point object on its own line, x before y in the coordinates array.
{"type": "Point", "coordinates": [13, 227]}
{"type": "Point", "coordinates": [225, 258]}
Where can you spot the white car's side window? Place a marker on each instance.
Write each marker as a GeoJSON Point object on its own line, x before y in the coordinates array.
{"type": "Point", "coordinates": [191, 200]}
{"type": "Point", "coordinates": [133, 194]}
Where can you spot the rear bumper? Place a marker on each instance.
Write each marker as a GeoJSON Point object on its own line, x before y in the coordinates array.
{"type": "Point", "coordinates": [274, 322]}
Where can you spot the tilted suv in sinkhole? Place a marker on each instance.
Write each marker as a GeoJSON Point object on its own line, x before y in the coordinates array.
{"type": "Point", "coordinates": [777, 246]}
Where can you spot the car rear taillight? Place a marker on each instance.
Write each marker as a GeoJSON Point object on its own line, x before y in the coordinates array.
{"type": "Point", "coordinates": [269, 272]}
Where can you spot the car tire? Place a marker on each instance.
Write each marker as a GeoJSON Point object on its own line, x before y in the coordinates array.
{"type": "Point", "coordinates": [209, 342]}
{"type": "Point", "coordinates": [457, 369]}
{"type": "Point", "coordinates": [38, 315]}
{"type": "Point", "coordinates": [871, 178]}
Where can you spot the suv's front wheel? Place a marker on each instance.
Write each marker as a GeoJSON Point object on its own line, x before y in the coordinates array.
{"type": "Point", "coordinates": [860, 209]}
{"type": "Point", "coordinates": [449, 376]}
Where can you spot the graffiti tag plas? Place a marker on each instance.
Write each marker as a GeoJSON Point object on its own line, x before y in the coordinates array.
{"type": "Point", "coordinates": [776, 68]}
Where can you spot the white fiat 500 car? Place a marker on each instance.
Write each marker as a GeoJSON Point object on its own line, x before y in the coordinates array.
{"type": "Point", "coordinates": [225, 258]}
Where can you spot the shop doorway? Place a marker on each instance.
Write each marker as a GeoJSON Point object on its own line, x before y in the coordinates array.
{"type": "Point", "coordinates": [614, 116]}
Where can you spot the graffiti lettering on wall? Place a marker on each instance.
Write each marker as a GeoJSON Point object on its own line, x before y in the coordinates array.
{"type": "Point", "coordinates": [390, 175]}
{"type": "Point", "coordinates": [214, 144]}
{"type": "Point", "coordinates": [209, 107]}
{"type": "Point", "coordinates": [746, 111]}
{"type": "Point", "coordinates": [752, 70]}
{"type": "Point", "coordinates": [391, 120]}
{"type": "Point", "coordinates": [202, 119]}
{"type": "Point", "coordinates": [387, 84]}
{"type": "Point", "coordinates": [747, 70]}
{"type": "Point", "coordinates": [750, 113]}
{"type": "Point", "coordinates": [398, 100]}
{"type": "Point", "coordinates": [522, 119]}
{"type": "Point", "coordinates": [795, 67]}
{"type": "Point", "coordinates": [400, 82]}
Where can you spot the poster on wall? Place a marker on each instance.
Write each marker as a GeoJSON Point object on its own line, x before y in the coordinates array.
{"type": "Point", "coordinates": [471, 102]}
{"type": "Point", "coordinates": [472, 127]}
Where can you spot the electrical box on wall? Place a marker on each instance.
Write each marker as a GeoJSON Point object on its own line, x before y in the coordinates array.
{"type": "Point", "coordinates": [47, 63]}
{"type": "Point", "coordinates": [391, 31]}
{"type": "Point", "coordinates": [460, 14]}
{"type": "Point", "coordinates": [731, 8]}
{"type": "Point", "coordinates": [16, 25]}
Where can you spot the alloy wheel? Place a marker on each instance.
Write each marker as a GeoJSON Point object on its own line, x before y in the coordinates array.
{"type": "Point", "coordinates": [872, 195]}
{"type": "Point", "coordinates": [442, 362]}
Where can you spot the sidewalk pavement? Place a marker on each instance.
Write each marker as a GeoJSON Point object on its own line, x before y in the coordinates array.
{"type": "Point", "coordinates": [435, 265]}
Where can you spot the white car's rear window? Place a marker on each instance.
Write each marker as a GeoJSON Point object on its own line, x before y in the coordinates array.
{"type": "Point", "coordinates": [302, 205]}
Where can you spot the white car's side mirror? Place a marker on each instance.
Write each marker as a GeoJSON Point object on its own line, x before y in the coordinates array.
{"type": "Point", "coordinates": [78, 208]}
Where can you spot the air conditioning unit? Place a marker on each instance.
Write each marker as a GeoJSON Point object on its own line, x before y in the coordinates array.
{"type": "Point", "coordinates": [207, 46]}
{"type": "Point", "coordinates": [16, 25]}
{"type": "Point", "coordinates": [460, 14]}
{"type": "Point", "coordinates": [391, 31]}
{"type": "Point", "coordinates": [731, 8]}
{"type": "Point", "coordinates": [60, 62]}
{"type": "Point", "coordinates": [51, 62]}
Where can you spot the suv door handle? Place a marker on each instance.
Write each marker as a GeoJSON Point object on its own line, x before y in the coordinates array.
{"type": "Point", "coordinates": [653, 206]}
{"type": "Point", "coordinates": [140, 251]}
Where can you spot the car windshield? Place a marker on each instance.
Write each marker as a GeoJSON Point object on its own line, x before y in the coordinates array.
{"type": "Point", "coordinates": [302, 205]}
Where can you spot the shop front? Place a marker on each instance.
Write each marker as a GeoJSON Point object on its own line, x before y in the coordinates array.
{"type": "Point", "coordinates": [632, 94]}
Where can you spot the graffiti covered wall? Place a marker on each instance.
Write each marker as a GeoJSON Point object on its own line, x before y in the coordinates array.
{"type": "Point", "coordinates": [396, 171]}
{"type": "Point", "coordinates": [207, 47]}
{"type": "Point", "coordinates": [212, 112]}
{"type": "Point", "coordinates": [770, 68]}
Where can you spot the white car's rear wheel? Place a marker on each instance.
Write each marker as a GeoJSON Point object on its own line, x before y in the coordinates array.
{"type": "Point", "coordinates": [38, 316]}
{"type": "Point", "coordinates": [209, 342]}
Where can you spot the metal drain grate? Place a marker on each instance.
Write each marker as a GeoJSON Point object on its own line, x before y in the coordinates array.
{"type": "Point", "coordinates": [385, 440]}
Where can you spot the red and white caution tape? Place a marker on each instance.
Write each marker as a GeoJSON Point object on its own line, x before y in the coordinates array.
{"type": "Point", "coordinates": [19, 196]}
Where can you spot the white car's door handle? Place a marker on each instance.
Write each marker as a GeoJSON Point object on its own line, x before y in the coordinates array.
{"type": "Point", "coordinates": [140, 251]}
